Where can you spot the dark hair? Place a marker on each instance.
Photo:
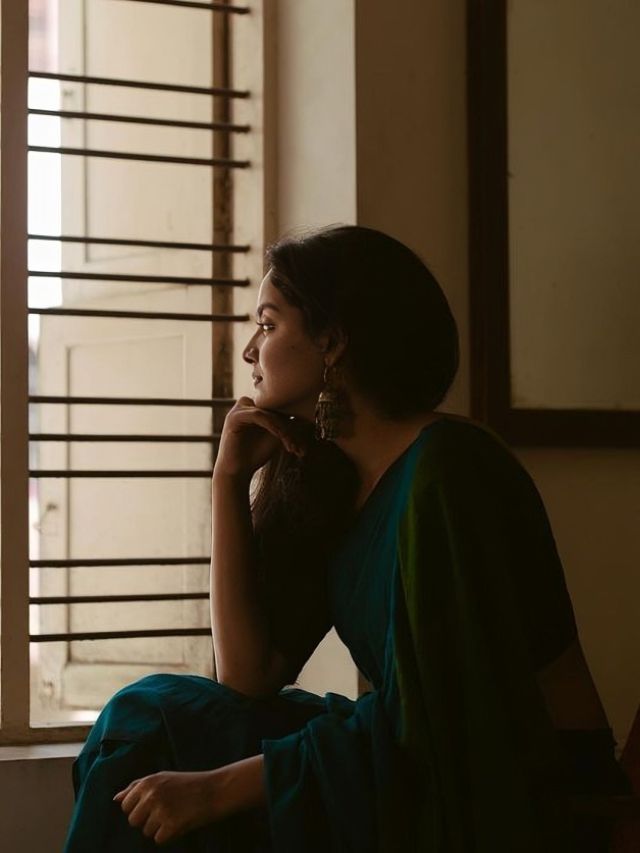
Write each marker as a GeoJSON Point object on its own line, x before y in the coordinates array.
{"type": "Point", "coordinates": [401, 354]}
{"type": "Point", "coordinates": [402, 350]}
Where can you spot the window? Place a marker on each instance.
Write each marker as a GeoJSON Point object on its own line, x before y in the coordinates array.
{"type": "Point", "coordinates": [131, 243]}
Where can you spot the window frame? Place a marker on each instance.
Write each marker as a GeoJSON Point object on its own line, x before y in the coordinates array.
{"type": "Point", "coordinates": [250, 205]}
{"type": "Point", "coordinates": [489, 262]}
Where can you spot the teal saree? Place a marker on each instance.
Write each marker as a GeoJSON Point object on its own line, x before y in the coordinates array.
{"type": "Point", "coordinates": [449, 593]}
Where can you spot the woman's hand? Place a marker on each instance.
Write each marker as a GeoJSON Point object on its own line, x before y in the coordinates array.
{"type": "Point", "coordinates": [166, 805]}
{"type": "Point", "coordinates": [251, 436]}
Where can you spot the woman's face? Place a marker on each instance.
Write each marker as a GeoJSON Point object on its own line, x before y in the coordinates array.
{"type": "Point", "coordinates": [288, 365]}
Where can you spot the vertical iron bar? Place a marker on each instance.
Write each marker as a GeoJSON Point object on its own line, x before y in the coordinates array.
{"type": "Point", "coordinates": [222, 187]}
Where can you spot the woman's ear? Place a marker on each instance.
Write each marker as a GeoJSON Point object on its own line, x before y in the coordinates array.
{"type": "Point", "coordinates": [334, 346]}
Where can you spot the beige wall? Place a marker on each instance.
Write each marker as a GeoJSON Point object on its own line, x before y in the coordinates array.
{"type": "Point", "coordinates": [411, 141]}
{"type": "Point", "coordinates": [574, 185]}
{"type": "Point", "coordinates": [36, 798]}
{"type": "Point", "coordinates": [593, 501]}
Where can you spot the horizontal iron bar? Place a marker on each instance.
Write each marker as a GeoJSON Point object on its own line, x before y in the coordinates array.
{"type": "Point", "coordinates": [120, 635]}
{"type": "Point", "coordinates": [166, 439]}
{"type": "Point", "coordinates": [152, 244]}
{"type": "Point", "coordinates": [108, 599]}
{"type": "Point", "coordinates": [141, 315]}
{"type": "Point", "coordinates": [73, 475]}
{"type": "Point", "coordinates": [139, 84]}
{"type": "Point", "coordinates": [216, 126]}
{"type": "Point", "coordinates": [119, 561]}
{"type": "Point", "coordinates": [143, 279]}
{"type": "Point", "coordinates": [129, 401]}
{"type": "Point", "coordinates": [210, 7]}
{"type": "Point", "coordinates": [149, 158]}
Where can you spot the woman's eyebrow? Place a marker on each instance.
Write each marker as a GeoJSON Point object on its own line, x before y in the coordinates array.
{"type": "Point", "coordinates": [264, 306]}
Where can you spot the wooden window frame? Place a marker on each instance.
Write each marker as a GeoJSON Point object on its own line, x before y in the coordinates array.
{"type": "Point", "coordinates": [255, 189]}
{"type": "Point", "coordinates": [489, 261]}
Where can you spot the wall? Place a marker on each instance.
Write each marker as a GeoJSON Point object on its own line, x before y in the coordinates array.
{"type": "Point", "coordinates": [36, 798]}
{"type": "Point", "coordinates": [593, 501]}
{"type": "Point", "coordinates": [574, 186]}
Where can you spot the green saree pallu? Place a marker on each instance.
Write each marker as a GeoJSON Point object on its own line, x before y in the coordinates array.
{"type": "Point", "coordinates": [449, 594]}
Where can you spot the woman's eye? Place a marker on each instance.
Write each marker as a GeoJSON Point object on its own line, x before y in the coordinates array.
{"type": "Point", "coordinates": [266, 327]}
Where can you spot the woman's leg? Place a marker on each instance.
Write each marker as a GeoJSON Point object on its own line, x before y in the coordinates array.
{"type": "Point", "coordinates": [169, 722]}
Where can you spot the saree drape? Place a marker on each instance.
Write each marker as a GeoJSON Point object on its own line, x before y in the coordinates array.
{"type": "Point", "coordinates": [449, 593]}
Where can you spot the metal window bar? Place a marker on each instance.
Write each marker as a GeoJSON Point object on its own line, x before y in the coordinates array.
{"type": "Point", "coordinates": [141, 315]}
{"type": "Point", "coordinates": [142, 279]}
{"type": "Point", "coordinates": [119, 635]}
{"type": "Point", "coordinates": [158, 122]}
{"type": "Point", "coordinates": [217, 91]}
{"type": "Point", "coordinates": [118, 561]}
{"type": "Point", "coordinates": [61, 399]}
{"type": "Point", "coordinates": [192, 4]}
{"type": "Point", "coordinates": [149, 158]}
{"type": "Point", "coordinates": [156, 473]}
{"type": "Point", "coordinates": [15, 653]}
{"type": "Point", "coordinates": [123, 437]}
{"type": "Point", "coordinates": [111, 599]}
{"type": "Point", "coordinates": [152, 244]}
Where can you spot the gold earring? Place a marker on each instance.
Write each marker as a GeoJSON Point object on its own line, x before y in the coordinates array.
{"type": "Point", "coordinates": [330, 408]}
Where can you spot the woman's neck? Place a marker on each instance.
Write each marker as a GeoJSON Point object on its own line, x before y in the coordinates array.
{"type": "Point", "coordinates": [374, 443]}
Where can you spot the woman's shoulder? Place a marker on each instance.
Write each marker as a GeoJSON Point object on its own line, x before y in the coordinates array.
{"type": "Point", "coordinates": [463, 450]}
{"type": "Point", "coordinates": [466, 468]}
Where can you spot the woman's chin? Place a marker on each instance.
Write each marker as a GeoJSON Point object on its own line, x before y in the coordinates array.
{"type": "Point", "coordinates": [284, 407]}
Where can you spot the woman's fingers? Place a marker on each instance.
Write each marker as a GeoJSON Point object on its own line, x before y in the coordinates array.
{"type": "Point", "coordinates": [250, 438]}
{"type": "Point", "coordinates": [122, 794]}
{"type": "Point", "coordinates": [272, 423]}
{"type": "Point", "coordinates": [133, 803]}
{"type": "Point", "coordinates": [275, 425]}
{"type": "Point", "coordinates": [140, 812]}
{"type": "Point", "coordinates": [152, 826]}
{"type": "Point", "coordinates": [163, 834]}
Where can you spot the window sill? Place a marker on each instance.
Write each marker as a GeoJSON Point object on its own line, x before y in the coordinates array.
{"type": "Point", "coordinates": [40, 751]}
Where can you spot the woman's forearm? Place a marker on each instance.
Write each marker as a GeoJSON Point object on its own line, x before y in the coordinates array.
{"type": "Point", "coordinates": [242, 650]}
{"type": "Point", "coordinates": [244, 785]}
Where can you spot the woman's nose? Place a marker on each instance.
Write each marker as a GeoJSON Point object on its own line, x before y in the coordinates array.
{"type": "Point", "coordinates": [249, 352]}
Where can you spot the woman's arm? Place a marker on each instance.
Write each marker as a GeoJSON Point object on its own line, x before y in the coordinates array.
{"type": "Point", "coordinates": [245, 658]}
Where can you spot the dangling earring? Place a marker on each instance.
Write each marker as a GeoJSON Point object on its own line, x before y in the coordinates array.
{"type": "Point", "coordinates": [330, 408]}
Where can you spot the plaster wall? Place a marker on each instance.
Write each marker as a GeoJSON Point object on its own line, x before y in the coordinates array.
{"type": "Point", "coordinates": [36, 798]}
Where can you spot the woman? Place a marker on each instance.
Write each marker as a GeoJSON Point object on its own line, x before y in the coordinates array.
{"type": "Point", "coordinates": [423, 540]}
